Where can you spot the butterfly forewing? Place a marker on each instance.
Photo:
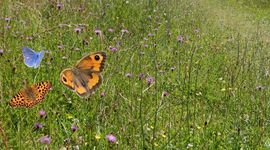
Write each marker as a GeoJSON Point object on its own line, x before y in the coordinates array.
{"type": "Point", "coordinates": [94, 62]}
{"type": "Point", "coordinates": [31, 96]}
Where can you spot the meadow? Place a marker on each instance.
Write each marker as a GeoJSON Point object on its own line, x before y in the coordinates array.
{"type": "Point", "coordinates": [179, 74]}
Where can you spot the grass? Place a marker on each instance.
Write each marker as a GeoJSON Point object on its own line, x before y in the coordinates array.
{"type": "Point", "coordinates": [217, 78]}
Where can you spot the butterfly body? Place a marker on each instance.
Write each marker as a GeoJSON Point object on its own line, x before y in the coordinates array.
{"type": "Point", "coordinates": [31, 96]}
{"type": "Point", "coordinates": [85, 77]}
{"type": "Point", "coordinates": [32, 58]}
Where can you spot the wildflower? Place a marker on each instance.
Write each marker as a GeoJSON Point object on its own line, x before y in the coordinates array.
{"type": "Point", "coordinates": [196, 30]}
{"type": "Point", "coordinates": [150, 35]}
{"type": "Point", "coordinates": [259, 88]}
{"type": "Point", "coordinates": [64, 57]}
{"type": "Point", "coordinates": [98, 32]}
{"type": "Point", "coordinates": [124, 31]}
{"type": "Point", "coordinates": [111, 138]}
{"type": "Point", "coordinates": [74, 128]}
{"type": "Point", "coordinates": [129, 75]}
{"type": "Point", "coordinates": [112, 49]}
{"type": "Point", "coordinates": [7, 27]}
{"type": "Point", "coordinates": [150, 80]}
{"type": "Point", "coordinates": [165, 94]}
{"type": "Point", "coordinates": [29, 38]}
{"type": "Point", "coordinates": [110, 30]}
{"type": "Point", "coordinates": [77, 49]}
{"type": "Point", "coordinates": [97, 137]}
{"type": "Point", "coordinates": [45, 139]}
{"type": "Point", "coordinates": [1, 52]}
{"type": "Point", "coordinates": [78, 30]}
{"type": "Point", "coordinates": [42, 113]}
{"type": "Point", "coordinates": [69, 116]}
{"type": "Point", "coordinates": [38, 125]}
{"type": "Point", "coordinates": [180, 38]}
{"type": "Point", "coordinates": [59, 6]}
{"type": "Point", "coordinates": [102, 94]}
{"type": "Point", "coordinates": [190, 145]}
{"type": "Point", "coordinates": [145, 45]}
{"type": "Point", "coordinates": [60, 46]}
{"type": "Point", "coordinates": [7, 19]}
{"type": "Point", "coordinates": [141, 76]}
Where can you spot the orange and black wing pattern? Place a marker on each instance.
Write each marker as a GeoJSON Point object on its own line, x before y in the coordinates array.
{"type": "Point", "coordinates": [31, 96]}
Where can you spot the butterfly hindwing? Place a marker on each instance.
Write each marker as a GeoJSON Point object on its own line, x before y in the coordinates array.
{"type": "Point", "coordinates": [31, 96]}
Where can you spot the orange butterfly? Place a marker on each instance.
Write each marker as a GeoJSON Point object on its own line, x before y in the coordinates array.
{"type": "Point", "coordinates": [85, 77]}
{"type": "Point", "coordinates": [31, 96]}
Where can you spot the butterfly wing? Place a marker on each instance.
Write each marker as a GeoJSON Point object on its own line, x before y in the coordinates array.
{"type": "Point", "coordinates": [29, 56]}
{"type": "Point", "coordinates": [38, 59]}
{"type": "Point", "coordinates": [31, 96]}
{"type": "Point", "coordinates": [67, 78]}
{"type": "Point", "coordinates": [82, 82]}
{"type": "Point", "coordinates": [40, 90]}
{"type": "Point", "coordinates": [32, 58]}
{"type": "Point", "coordinates": [21, 100]}
{"type": "Point", "coordinates": [94, 62]}
{"type": "Point", "coordinates": [87, 82]}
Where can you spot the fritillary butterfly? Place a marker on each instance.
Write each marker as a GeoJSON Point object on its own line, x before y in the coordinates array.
{"type": "Point", "coordinates": [31, 96]}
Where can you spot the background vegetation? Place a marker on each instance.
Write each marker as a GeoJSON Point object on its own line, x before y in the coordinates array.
{"type": "Point", "coordinates": [179, 74]}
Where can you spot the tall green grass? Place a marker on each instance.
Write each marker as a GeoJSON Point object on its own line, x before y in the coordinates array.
{"type": "Point", "coordinates": [216, 78]}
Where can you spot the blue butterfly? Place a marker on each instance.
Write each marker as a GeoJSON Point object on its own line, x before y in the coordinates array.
{"type": "Point", "coordinates": [32, 58]}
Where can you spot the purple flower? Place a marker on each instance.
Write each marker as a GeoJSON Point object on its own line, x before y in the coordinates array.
{"type": "Point", "coordinates": [102, 94]}
{"type": "Point", "coordinates": [78, 30]}
{"type": "Point", "coordinates": [110, 30]}
{"type": "Point", "coordinates": [74, 128]}
{"type": "Point", "coordinates": [150, 80]}
{"type": "Point", "coordinates": [113, 49]}
{"type": "Point", "coordinates": [38, 125]}
{"type": "Point", "coordinates": [150, 35]}
{"type": "Point", "coordinates": [141, 76]}
{"type": "Point", "coordinates": [180, 38]}
{"type": "Point", "coordinates": [98, 32]}
{"type": "Point", "coordinates": [60, 46]}
{"type": "Point", "coordinates": [59, 6]}
{"type": "Point", "coordinates": [129, 75]}
{"type": "Point", "coordinates": [165, 94]}
{"type": "Point", "coordinates": [42, 113]}
{"type": "Point", "coordinates": [124, 31]}
{"type": "Point", "coordinates": [111, 138]}
{"type": "Point", "coordinates": [145, 45]}
{"type": "Point", "coordinates": [1, 52]}
{"type": "Point", "coordinates": [45, 139]}
{"type": "Point", "coordinates": [7, 19]}
{"type": "Point", "coordinates": [7, 27]}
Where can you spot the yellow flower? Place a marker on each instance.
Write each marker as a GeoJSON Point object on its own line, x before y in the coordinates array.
{"type": "Point", "coordinates": [97, 137]}
{"type": "Point", "coordinates": [69, 116]}
{"type": "Point", "coordinates": [223, 89]}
